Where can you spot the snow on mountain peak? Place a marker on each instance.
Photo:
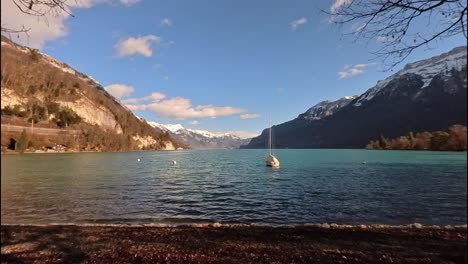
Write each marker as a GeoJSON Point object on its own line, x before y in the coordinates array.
{"type": "Point", "coordinates": [326, 108]}
{"type": "Point", "coordinates": [201, 139]}
{"type": "Point", "coordinates": [167, 127]}
{"type": "Point", "coordinates": [427, 69]}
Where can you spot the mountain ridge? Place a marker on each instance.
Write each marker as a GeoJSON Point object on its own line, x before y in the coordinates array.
{"type": "Point", "coordinates": [37, 88]}
{"type": "Point", "coordinates": [201, 139]}
{"type": "Point", "coordinates": [426, 95]}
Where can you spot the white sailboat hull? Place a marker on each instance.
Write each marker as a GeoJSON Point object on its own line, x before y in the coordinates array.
{"type": "Point", "coordinates": [272, 161]}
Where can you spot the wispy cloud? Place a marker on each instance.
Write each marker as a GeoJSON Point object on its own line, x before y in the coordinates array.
{"type": "Point", "coordinates": [119, 90]}
{"type": "Point", "coordinates": [383, 39]}
{"type": "Point", "coordinates": [296, 23]}
{"type": "Point", "coordinates": [353, 70]}
{"type": "Point", "coordinates": [154, 97]}
{"type": "Point", "coordinates": [337, 4]}
{"type": "Point", "coordinates": [194, 123]}
{"type": "Point", "coordinates": [166, 22]}
{"type": "Point", "coordinates": [129, 2]}
{"type": "Point", "coordinates": [134, 45]}
{"type": "Point", "coordinates": [178, 107]}
{"type": "Point", "coordinates": [52, 26]}
{"type": "Point", "coordinates": [249, 116]}
{"type": "Point", "coordinates": [41, 29]}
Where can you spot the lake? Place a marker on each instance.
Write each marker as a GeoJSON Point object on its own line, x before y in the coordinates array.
{"type": "Point", "coordinates": [234, 186]}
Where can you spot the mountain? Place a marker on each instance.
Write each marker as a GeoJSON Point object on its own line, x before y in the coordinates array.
{"type": "Point", "coordinates": [326, 108]}
{"type": "Point", "coordinates": [427, 95]}
{"type": "Point", "coordinates": [200, 139]}
{"type": "Point", "coordinates": [76, 109]}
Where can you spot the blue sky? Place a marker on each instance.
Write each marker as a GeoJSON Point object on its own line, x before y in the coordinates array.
{"type": "Point", "coordinates": [206, 63]}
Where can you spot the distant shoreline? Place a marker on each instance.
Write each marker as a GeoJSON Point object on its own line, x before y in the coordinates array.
{"type": "Point", "coordinates": [62, 152]}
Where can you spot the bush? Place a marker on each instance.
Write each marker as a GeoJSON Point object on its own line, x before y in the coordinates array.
{"type": "Point", "coordinates": [13, 111]}
{"type": "Point", "coordinates": [66, 117]}
{"type": "Point", "coordinates": [439, 140]}
{"type": "Point", "coordinates": [454, 139]}
{"type": "Point", "coordinates": [8, 111]}
{"type": "Point", "coordinates": [34, 54]}
{"type": "Point", "coordinates": [23, 142]}
{"type": "Point", "coordinates": [52, 107]}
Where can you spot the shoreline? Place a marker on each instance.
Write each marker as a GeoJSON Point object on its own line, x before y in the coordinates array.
{"type": "Point", "coordinates": [87, 151]}
{"type": "Point", "coordinates": [91, 151]}
{"type": "Point", "coordinates": [232, 244]}
{"type": "Point", "coordinates": [253, 225]}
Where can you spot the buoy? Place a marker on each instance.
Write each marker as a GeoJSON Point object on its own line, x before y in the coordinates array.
{"type": "Point", "coordinates": [138, 160]}
{"type": "Point", "coordinates": [174, 162]}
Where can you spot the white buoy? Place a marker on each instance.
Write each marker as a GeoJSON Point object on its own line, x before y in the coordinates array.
{"type": "Point", "coordinates": [138, 160]}
{"type": "Point", "coordinates": [174, 162]}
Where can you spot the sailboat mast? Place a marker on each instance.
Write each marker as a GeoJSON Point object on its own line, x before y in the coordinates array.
{"type": "Point", "coordinates": [269, 136]}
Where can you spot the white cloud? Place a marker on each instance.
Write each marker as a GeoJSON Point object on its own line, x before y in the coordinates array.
{"type": "Point", "coordinates": [47, 28]}
{"type": "Point", "coordinates": [41, 29]}
{"type": "Point", "coordinates": [166, 78]}
{"type": "Point", "coordinates": [166, 22]}
{"type": "Point", "coordinates": [296, 23]}
{"type": "Point", "coordinates": [249, 116]}
{"type": "Point", "coordinates": [357, 27]}
{"type": "Point", "coordinates": [132, 45]}
{"type": "Point", "coordinates": [383, 39]}
{"type": "Point", "coordinates": [338, 4]}
{"type": "Point", "coordinates": [353, 70]}
{"type": "Point", "coordinates": [179, 107]}
{"type": "Point", "coordinates": [194, 123]}
{"type": "Point", "coordinates": [119, 90]}
{"type": "Point", "coordinates": [129, 2]}
{"type": "Point", "coordinates": [154, 97]}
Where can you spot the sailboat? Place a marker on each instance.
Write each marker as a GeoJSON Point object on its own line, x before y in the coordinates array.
{"type": "Point", "coordinates": [271, 161]}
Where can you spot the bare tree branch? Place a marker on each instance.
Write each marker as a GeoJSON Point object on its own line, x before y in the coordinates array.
{"type": "Point", "coordinates": [392, 23]}
{"type": "Point", "coordinates": [39, 8]}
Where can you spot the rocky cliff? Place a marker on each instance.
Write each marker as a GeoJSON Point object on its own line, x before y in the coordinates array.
{"type": "Point", "coordinates": [36, 88]}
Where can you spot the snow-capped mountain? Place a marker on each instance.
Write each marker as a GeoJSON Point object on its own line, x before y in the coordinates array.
{"type": "Point", "coordinates": [201, 139]}
{"type": "Point", "coordinates": [426, 95]}
{"type": "Point", "coordinates": [326, 108]}
{"type": "Point", "coordinates": [425, 70]}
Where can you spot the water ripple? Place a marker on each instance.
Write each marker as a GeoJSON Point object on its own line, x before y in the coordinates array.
{"type": "Point", "coordinates": [234, 186]}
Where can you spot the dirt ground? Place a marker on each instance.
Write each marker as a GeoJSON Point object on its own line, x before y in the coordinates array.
{"type": "Point", "coordinates": [231, 244]}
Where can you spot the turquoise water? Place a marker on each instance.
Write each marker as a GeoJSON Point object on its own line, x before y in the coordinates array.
{"type": "Point", "coordinates": [234, 186]}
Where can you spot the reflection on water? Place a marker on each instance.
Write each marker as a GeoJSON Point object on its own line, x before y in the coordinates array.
{"type": "Point", "coordinates": [234, 186]}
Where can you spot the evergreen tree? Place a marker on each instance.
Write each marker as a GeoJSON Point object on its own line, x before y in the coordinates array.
{"type": "Point", "coordinates": [382, 142]}
{"type": "Point", "coordinates": [411, 139]}
{"type": "Point", "coordinates": [23, 141]}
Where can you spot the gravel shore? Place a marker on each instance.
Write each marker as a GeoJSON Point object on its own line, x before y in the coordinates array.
{"type": "Point", "coordinates": [232, 244]}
